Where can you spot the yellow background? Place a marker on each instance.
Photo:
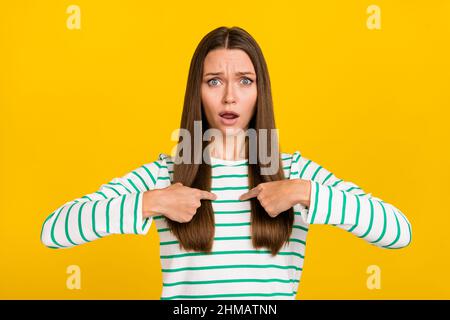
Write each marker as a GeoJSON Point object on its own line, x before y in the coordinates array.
{"type": "Point", "coordinates": [80, 107]}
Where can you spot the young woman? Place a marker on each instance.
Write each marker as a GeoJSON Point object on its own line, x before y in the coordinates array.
{"type": "Point", "coordinates": [226, 230]}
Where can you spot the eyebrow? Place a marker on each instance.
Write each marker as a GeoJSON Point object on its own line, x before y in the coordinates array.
{"type": "Point", "coordinates": [219, 73]}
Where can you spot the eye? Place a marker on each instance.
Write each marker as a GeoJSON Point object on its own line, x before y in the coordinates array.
{"type": "Point", "coordinates": [250, 81]}
{"type": "Point", "coordinates": [210, 82]}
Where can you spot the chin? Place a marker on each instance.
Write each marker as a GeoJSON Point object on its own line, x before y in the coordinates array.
{"type": "Point", "coordinates": [231, 130]}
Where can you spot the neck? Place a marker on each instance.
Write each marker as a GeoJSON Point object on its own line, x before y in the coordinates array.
{"type": "Point", "coordinates": [231, 148]}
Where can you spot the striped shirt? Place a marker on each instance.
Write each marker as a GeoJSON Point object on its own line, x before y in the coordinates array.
{"type": "Point", "coordinates": [234, 269]}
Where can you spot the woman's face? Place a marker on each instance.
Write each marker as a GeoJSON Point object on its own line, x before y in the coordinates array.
{"type": "Point", "coordinates": [228, 85]}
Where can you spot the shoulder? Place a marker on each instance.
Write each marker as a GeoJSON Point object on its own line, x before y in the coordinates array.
{"type": "Point", "coordinates": [305, 168]}
{"type": "Point", "coordinates": [164, 158]}
{"type": "Point", "coordinates": [296, 165]}
{"type": "Point", "coordinates": [159, 163]}
{"type": "Point", "coordinates": [289, 158]}
{"type": "Point", "coordinates": [152, 171]}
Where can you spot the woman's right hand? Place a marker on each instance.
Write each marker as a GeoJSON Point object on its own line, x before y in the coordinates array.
{"type": "Point", "coordinates": [176, 202]}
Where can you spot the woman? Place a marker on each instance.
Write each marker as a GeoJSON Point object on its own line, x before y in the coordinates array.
{"type": "Point", "coordinates": [226, 229]}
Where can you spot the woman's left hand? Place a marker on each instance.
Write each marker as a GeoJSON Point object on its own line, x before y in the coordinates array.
{"type": "Point", "coordinates": [279, 196]}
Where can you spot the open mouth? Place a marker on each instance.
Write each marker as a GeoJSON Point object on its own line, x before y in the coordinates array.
{"type": "Point", "coordinates": [228, 115]}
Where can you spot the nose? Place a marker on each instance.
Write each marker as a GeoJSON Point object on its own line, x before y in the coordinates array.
{"type": "Point", "coordinates": [229, 94]}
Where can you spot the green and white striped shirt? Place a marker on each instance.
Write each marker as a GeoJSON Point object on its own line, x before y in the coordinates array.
{"type": "Point", "coordinates": [234, 269]}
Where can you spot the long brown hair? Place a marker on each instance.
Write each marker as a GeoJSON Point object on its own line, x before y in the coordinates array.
{"type": "Point", "coordinates": [198, 233]}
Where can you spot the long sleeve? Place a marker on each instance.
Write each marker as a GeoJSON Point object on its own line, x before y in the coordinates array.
{"type": "Point", "coordinates": [116, 208]}
{"type": "Point", "coordinates": [345, 205]}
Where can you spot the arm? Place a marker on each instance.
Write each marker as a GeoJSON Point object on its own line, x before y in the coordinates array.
{"type": "Point", "coordinates": [116, 208]}
{"type": "Point", "coordinates": [345, 205]}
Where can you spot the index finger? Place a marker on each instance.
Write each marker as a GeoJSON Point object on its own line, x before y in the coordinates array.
{"type": "Point", "coordinates": [250, 194]}
{"type": "Point", "coordinates": [207, 195]}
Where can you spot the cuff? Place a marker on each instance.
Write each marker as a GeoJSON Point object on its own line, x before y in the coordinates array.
{"type": "Point", "coordinates": [143, 224]}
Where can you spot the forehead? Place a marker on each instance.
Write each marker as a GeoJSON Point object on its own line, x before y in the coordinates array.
{"type": "Point", "coordinates": [222, 59]}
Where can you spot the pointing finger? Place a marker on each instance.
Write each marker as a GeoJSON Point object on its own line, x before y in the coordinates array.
{"type": "Point", "coordinates": [208, 195]}
{"type": "Point", "coordinates": [250, 194]}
